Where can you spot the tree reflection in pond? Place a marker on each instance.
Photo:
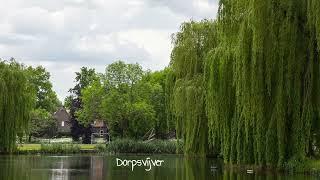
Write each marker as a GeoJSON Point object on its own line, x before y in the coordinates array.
{"type": "Point", "coordinates": [81, 167]}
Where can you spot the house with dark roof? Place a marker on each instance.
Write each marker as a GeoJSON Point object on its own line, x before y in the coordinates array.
{"type": "Point", "coordinates": [63, 121]}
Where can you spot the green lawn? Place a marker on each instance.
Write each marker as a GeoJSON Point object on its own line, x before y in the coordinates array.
{"type": "Point", "coordinates": [35, 147]}
{"type": "Point", "coordinates": [29, 147]}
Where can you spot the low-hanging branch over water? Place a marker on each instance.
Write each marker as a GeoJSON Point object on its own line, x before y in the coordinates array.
{"type": "Point", "coordinates": [16, 102]}
{"type": "Point", "coordinates": [187, 101]}
{"type": "Point", "coordinates": [249, 82]}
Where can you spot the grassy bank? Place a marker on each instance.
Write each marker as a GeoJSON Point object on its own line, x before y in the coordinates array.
{"type": "Point", "coordinates": [57, 148]}
{"type": "Point", "coordinates": [311, 166]}
{"type": "Point", "coordinates": [114, 147]}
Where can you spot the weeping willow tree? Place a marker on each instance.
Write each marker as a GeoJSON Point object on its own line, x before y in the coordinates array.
{"type": "Point", "coordinates": [185, 84]}
{"type": "Point", "coordinates": [16, 101]}
{"type": "Point", "coordinates": [263, 81]}
{"type": "Point", "coordinates": [249, 83]}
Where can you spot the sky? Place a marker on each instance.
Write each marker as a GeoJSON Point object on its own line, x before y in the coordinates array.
{"type": "Point", "coordinates": [65, 35]}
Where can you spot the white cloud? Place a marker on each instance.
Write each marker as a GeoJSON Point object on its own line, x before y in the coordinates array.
{"type": "Point", "coordinates": [65, 35]}
{"type": "Point", "coordinates": [154, 42]}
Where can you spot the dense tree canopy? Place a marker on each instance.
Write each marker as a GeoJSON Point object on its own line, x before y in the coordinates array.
{"type": "Point", "coordinates": [46, 103]}
{"type": "Point", "coordinates": [16, 103]}
{"type": "Point", "coordinates": [74, 102]}
{"type": "Point", "coordinates": [131, 101]}
{"type": "Point", "coordinates": [256, 71]}
{"type": "Point", "coordinates": [188, 91]}
{"type": "Point", "coordinates": [41, 124]}
{"type": "Point", "coordinates": [46, 98]}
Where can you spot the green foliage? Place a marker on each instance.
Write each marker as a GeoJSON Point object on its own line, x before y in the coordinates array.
{"type": "Point", "coordinates": [60, 148]}
{"type": "Point", "coordinates": [91, 98]}
{"type": "Point", "coordinates": [100, 148]}
{"type": "Point", "coordinates": [42, 123]}
{"type": "Point", "coordinates": [46, 98]}
{"type": "Point", "coordinates": [74, 103]}
{"type": "Point", "coordinates": [186, 93]}
{"type": "Point", "coordinates": [262, 81]}
{"type": "Point", "coordinates": [46, 103]}
{"type": "Point", "coordinates": [16, 102]}
{"type": "Point", "coordinates": [155, 84]}
{"type": "Point", "coordinates": [120, 82]}
{"type": "Point", "coordinates": [83, 79]}
{"type": "Point", "coordinates": [115, 110]}
{"type": "Point", "coordinates": [258, 79]}
{"type": "Point", "coordinates": [128, 99]}
{"type": "Point", "coordinates": [142, 119]}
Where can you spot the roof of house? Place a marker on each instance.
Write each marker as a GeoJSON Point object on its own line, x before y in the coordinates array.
{"type": "Point", "coordinates": [98, 124]}
{"type": "Point", "coordinates": [62, 115]}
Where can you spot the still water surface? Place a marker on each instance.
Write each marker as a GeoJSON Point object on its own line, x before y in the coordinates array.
{"type": "Point", "coordinates": [78, 167]}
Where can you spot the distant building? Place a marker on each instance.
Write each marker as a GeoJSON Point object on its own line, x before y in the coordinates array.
{"type": "Point", "coordinates": [99, 129]}
{"type": "Point", "coordinates": [63, 121]}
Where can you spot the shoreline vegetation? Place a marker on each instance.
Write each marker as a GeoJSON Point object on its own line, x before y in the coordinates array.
{"type": "Point", "coordinates": [114, 147]}
{"type": "Point", "coordinates": [156, 147]}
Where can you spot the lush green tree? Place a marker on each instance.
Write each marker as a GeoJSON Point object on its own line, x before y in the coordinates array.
{"type": "Point", "coordinates": [120, 82]}
{"type": "Point", "coordinates": [187, 101]}
{"type": "Point", "coordinates": [128, 99]}
{"type": "Point", "coordinates": [115, 110]}
{"type": "Point", "coordinates": [141, 119]}
{"type": "Point", "coordinates": [46, 98]}
{"type": "Point", "coordinates": [74, 102]}
{"type": "Point", "coordinates": [156, 82]}
{"type": "Point", "coordinates": [256, 71]}
{"type": "Point", "coordinates": [92, 97]}
{"type": "Point", "coordinates": [42, 122]}
{"type": "Point", "coordinates": [16, 103]}
{"type": "Point", "coordinates": [274, 84]}
{"type": "Point", "coordinates": [121, 74]}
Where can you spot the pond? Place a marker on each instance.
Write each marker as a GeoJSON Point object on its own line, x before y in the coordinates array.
{"type": "Point", "coordinates": [78, 167]}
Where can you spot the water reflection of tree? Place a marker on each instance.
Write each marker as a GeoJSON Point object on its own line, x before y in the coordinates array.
{"type": "Point", "coordinates": [192, 169]}
{"type": "Point", "coordinates": [104, 167]}
{"type": "Point", "coordinates": [16, 168]}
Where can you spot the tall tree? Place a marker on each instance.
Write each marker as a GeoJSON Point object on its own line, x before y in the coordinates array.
{"type": "Point", "coordinates": [156, 97]}
{"type": "Point", "coordinates": [92, 97]}
{"type": "Point", "coordinates": [187, 101]}
{"type": "Point", "coordinates": [46, 98]}
{"type": "Point", "coordinates": [46, 103]}
{"type": "Point", "coordinates": [121, 81]}
{"type": "Point", "coordinates": [74, 102]}
{"type": "Point", "coordinates": [258, 79]}
{"type": "Point", "coordinates": [275, 80]}
{"type": "Point", "coordinates": [16, 102]}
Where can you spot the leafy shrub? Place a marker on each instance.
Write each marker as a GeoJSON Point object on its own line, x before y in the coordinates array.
{"type": "Point", "coordinates": [60, 148]}
{"type": "Point", "coordinates": [100, 148]}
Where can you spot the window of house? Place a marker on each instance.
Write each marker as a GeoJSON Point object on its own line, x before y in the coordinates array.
{"type": "Point", "coordinates": [62, 123]}
{"type": "Point", "coordinates": [101, 132]}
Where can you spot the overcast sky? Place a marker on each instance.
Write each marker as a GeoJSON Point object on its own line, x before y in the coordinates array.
{"type": "Point", "coordinates": [64, 35]}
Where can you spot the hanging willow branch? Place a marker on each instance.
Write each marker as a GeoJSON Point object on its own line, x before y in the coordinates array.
{"type": "Point", "coordinates": [16, 101]}
{"type": "Point", "coordinates": [187, 90]}
{"type": "Point", "coordinates": [258, 81]}
{"type": "Point", "coordinates": [263, 81]}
